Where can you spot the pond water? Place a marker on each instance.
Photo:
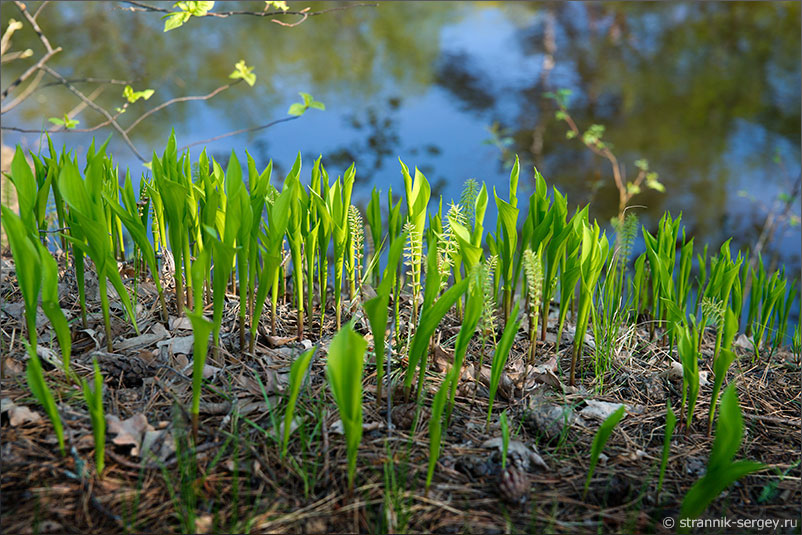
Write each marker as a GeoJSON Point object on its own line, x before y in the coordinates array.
{"type": "Point", "coordinates": [708, 93]}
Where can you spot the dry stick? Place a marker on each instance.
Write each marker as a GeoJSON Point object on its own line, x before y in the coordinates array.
{"type": "Point", "coordinates": [95, 107]}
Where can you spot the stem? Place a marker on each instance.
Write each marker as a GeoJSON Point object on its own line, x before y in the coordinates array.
{"type": "Point", "coordinates": [104, 305]}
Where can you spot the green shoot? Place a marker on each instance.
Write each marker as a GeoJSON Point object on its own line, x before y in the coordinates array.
{"type": "Point", "coordinates": [671, 422]}
{"type": "Point", "coordinates": [689, 356]}
{"type": "Point", "coordinates": [436, 423]}
{"type": "Point", "coordinates": [43, 394]}
{"type": "Point", "coordinates": [602, 435]}
{"type": "Point", "coordinates": [344, 372]}
{"type": "Point", "coordinates": [721, 470]}
{"type": "Point", "coordinates": [594, 253]}
{"type": "Point", "coordinates": [376, 310]}
{"type": "Point", "coordinates": [505, 439]}
{"type": "Point", "coordinates": [500, 357]}
{"type": "Point", "coordinates": [94, 401]}
{"type": "Point", "coordinates": [297, 374]}
{"type": "Point", "coordinates": [720, 367]}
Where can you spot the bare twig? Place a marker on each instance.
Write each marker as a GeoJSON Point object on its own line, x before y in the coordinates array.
{"type": "Point", "coordinates": [92, 81]}
{"type": "Point", "coordinates": [13, 56]}
{"type": "Point", "coordinates": [32, 21]}
{"type": "Point", "coordinates": [39, 10]}
{"type": "Point", "coordinates": [141, 6]}
{"type": "Point", "coordinates": [241, 131]}
{"type": "Point", "coordinates": [38, 65]}
{"type": "Point", "coordinates": [30, 88]}
{"type": "Point", "coordinates": [176, 100]}
{"type": "Point", "coordinates": [97, 108]}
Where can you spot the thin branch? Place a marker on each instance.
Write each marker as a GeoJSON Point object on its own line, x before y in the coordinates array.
{"type": "Point", "coordinates": [39, 64]}
{"type": "Point", "coordinates": [80, 107]}
{"type": "Point", "coordinates": [33, 23]}
{"type": "Point", "coordinates": [70, 130]}
{"type": "Point", "coordinates": [304, 16]}
{"type": "Point", "coordinates": [97, 108]}
{"type": "Point", "coordinates": [41, 7]}
{"type": "Point", "coordinates": [141, 6]}
{"type": "Point", "coordinates": [30, 88]}
{"type": "Point", "coordinates": [241, 131]}
{"type": "Point", "coordinates": [176, 100]}
{"type": "Point", "coordinates": [93, 81]}
{"type": "Point", "coordinates": [13, 56]}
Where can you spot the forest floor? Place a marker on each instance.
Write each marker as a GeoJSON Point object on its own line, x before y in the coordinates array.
{"type": "Point", "coordinates": [236, 481]}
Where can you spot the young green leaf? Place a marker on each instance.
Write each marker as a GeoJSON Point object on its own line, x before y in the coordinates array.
{"type": "Point", "coordinates": [671, 422]}
{"type": "Point", "coordinates": [500, 356]}
{"type": "Point", "coordinates": [132, 96]}
{"type": "Point", "coordinates": [720, 367]}
{"type": "Point", "coordinates": [94, 401]}
{"type": "Point", "coordinates": [436, 423]}
{"type": "Point", "coordinates": [297, 374]}
{"type": "Point", "coordinates": [40, 390]}
{"type": "Point", "coordinates": [344, 372]}
{"type": "Point", "coordinates": [721, 470]}
{"type": "Point", "coordinates": [602, 435]}
{"type": "Point", "coordinates": [241, 70]}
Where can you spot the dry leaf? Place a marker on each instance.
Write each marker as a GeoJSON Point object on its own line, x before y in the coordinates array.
{"type": "Point", "coordinates": [130, 432]}
{"type": "Point", "coordinates": [204, 524]}
{"type": "Point", "coordinates": [278, 341]}
{"type": "Point", "coordinates": [18, 415]}
{"type": "Point", "coordinates": [181, 323]}
{"type": "Point", "coordinates": [138, 341]}
{"type": "Point", "coordinates": [12, 367]}
{"type": "Point", "coordinates": [600, 410]}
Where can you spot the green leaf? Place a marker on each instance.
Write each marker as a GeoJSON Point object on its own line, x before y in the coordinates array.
{"type": "Point", "coordinates": [175, 20]}
{"type": "Point", "coordinates": [655, 184]}
{"type": "Point", "coordinates": [50, 304]}
{"type": "Point", "coordinates": [296, 109]}
{"type": "Point", "coordinates": [277, 5]}
{"type": "Point", "coordinates": [436, 424]}
{"type": "Point", "coordinates": [344, 371]}
{"type": "Point", "coordinates": [66, 122]}
{"type": "Point", "coordinates": [671, 422]}
{"type": "Point", "coordinates": [500, 356]}
{"type": "Point", "coordinates": [429, 320]}
{"type": "Point", "coordinates": [241, 70]}
{"type": "Point", "coordinates": [721, 471]}
{"type": "Point", "coordinates": [132, 96]}
{"type": "Point", "coordinates": [602, 435]}
{"type": "Point", "coordinates": [632, 189]}
{"type": "Point", "coordinates": [25, 254]}
{"type": "Point", "coordinates": [40, 390]}
{"type": "Point", "coordinates": [94, 401]}
{"type": "Point", "coordinates": [297, 373]}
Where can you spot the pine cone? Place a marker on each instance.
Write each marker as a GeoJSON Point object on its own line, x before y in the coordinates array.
{"type": "Point", "coordinates": [513, 485]}
{"type": "Point", "coordinates": [403, 415]}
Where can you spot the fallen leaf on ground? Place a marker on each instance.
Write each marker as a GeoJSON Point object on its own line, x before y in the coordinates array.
{"type": "Point", "coordinates": [130, 432]}
{"type": "Point", "coordinates": [600, 410]}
